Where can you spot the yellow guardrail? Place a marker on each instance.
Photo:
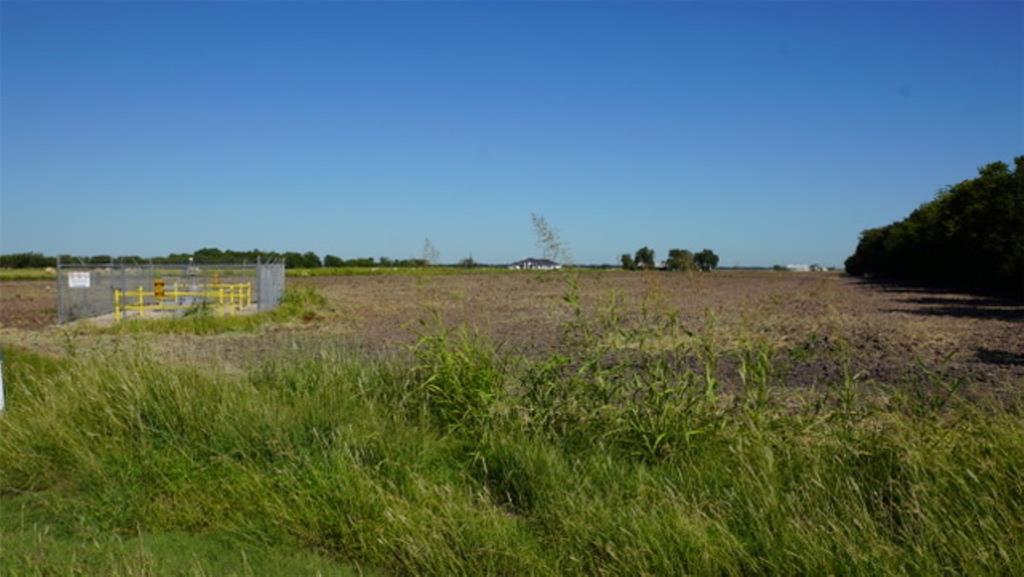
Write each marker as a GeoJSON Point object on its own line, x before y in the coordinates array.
{"type": "Point", "coordinates": [225, 296]}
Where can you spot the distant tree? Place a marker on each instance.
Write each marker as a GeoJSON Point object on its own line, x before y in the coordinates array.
{"type": "Point", "coordinates": [208, 255]}
{"type": "Point", "coordinates": [467, 262]}
{"type": "Point", "coordinates": [680, 259]}
{"type": "Point", "coordinates": [644, 257]}
{"type": "Point", "coordinates": [311, 260]}
{"type": "Point", "coordinates": [430, 253]}
{"type": "Point", "coordinates": [333, 261]}
{"type": "Point", "coordinates": [291, 260]}
{"type": "Point", "coordinates": [28, 260]}
{"type": "Point", "coordinates": [627, 262]}
{"type": "Point", "coordinates": [706, 260]}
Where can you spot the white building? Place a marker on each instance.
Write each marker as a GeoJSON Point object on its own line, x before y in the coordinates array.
{"type": "Point", "coordinates": [535, 264]}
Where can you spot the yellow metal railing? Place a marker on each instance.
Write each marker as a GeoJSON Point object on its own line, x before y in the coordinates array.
{"type": "Point", "coordinates": [224, 296]}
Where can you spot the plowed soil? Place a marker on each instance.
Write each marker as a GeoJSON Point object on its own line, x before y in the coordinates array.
{"type": "Point", "coordinates": [828, 326]}
{"type": "Point", "coordinates": [28, 304]}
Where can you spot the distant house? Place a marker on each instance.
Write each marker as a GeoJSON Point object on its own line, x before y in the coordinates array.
{"type": "Point", "coordinates": [535, 264]}
{"type": "Point", "coordinates": [806, 268]}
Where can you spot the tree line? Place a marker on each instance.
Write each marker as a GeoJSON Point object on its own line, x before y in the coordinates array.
{"type": "Point", "coordinates": [307, 259]}
{"type": "Point", "coordinates": [678, 259]}
{"type": "Point", "coordinates": [970, 236]}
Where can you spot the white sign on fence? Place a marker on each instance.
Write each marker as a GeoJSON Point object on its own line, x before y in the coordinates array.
{"type": "Point", "coordinates": [78, 279]}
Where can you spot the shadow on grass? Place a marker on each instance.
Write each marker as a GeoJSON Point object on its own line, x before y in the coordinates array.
{"type": "Point", "coordinates": [889, 285]}
{"type": "Point", "coordinates": [969, 311]}
{"type": "Point", "coordinates": [965, 300]}
{"type": "Point", "coordinates": [946, 302]}
{"type": "Point", "coordinates": [997, 357]}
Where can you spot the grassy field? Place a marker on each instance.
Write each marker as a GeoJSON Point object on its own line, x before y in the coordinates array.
{"type": "Point", "coordinates": [328, 271]}
{"type": "Point", "coordinates": [16, 274]}
{"type": "Point", "coordinates": [644, 439]}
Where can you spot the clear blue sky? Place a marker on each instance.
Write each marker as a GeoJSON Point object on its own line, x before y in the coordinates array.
{"type": "Point", "coordinates": [772, 133]}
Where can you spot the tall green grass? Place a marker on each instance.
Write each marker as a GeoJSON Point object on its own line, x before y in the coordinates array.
{"type": "Point", "coordinates": [463, 460]}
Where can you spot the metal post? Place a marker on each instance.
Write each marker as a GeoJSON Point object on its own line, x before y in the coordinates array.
{"type": "Point", "coordinates": [2, 402]}
{"type": "Point", "coordinates": [60, 295]}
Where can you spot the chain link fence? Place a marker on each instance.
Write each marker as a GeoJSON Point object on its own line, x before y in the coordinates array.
{"type": "Point", "coordinates": [270, 280]}
{"type": "Point", "coordinates": [88, 290]}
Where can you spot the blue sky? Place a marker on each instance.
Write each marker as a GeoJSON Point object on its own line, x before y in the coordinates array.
{"type": "Point", "coordinates": [771, 133]}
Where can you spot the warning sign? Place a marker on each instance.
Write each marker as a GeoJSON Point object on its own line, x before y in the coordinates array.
{"type": "Point", "coordinates": [78, 279]}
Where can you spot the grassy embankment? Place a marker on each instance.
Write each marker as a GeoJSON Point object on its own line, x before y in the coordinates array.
{"type": "Point", "coordinates": [607, 458]}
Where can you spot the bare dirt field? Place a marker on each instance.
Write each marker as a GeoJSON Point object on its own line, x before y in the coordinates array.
{"type": "Point", "coordinates": [826, 324]}
{"type": "Point", "coordinates": [28, 304]}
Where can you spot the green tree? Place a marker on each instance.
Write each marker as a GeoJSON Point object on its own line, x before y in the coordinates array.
{"type": "Point", "coordinates": [311, 260]}
{"type": "Point", "coordinates": [291, 260]}
{"type": "Point", "coordinates": [627, 262]}
{"type": "Point", "coordinates": [680, 259]}
{"type": "Point", "coordinates": [978, 224]}
{"type": "Point", "coordinates": [27, 260]}
{"type": "Point", "coordinates": [333, 261]}
{"type": "Point", "coordinates": [706, 260]}
{"type": "Point", "coordinates": [644, 257]}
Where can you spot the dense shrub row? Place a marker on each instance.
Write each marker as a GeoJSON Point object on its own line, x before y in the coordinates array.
{"type": "Point", "coordinates": [307, 259]}
{"type": "Point", "coordinates": [971, 236]}
{"type": "Point", "coordinates": [26, 260]}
